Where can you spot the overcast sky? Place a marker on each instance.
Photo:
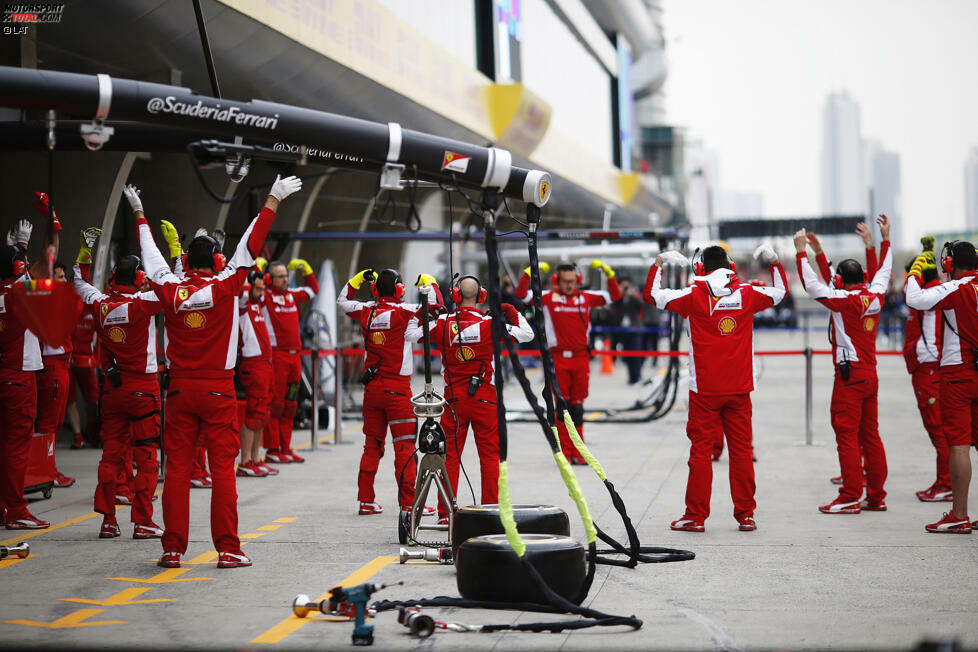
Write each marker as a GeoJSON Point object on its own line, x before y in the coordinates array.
{"type": "Point", "coordinates": [750, 78]}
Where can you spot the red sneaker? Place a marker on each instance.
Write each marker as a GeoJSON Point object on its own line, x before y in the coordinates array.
{"type": "Point", "coordinates": [293, 457]}
{"type": "Point", "coordinates": [249, 470]}
{"type": "Point", "coordinates": [950, 524]}
{"type": "Point", "coordinates": [269, 470]}
{"type": "Point", "coordinates": [124, 498]}
{"type": "Point", "coordinates": [443, 520]}
{"type": "Point", "coordinates": [78, 441]}
{"type": "Point", "coordinates": [61, 480]}
{"type": "Point", "coordinates": [936, 493]}
{"type": "Point", "coordinates": [868, 505]}
{"type": "Point", "coordinates": [686, 524]}
{"type": "Point", "coordinates": [26, 522]}
{"type": "Point", "coordinates": [367, 509]}
{"type": "Point", "coordinates": [169, 560]}
{"type": "Point", "coordinates": [233, 560]}
{"type": "Point", "coordinates": [147, 531]}
{"type": "Point", "coordinates": [202, 482]}
{"type": "Point", "coordinates": [276, 456]}
{"type": "Point", "coordinates": [110, 528]}
{"type": "Point", "coordinates": [748, 525]}
{"type": "Point", "coordinates": [836, 480]}
{"type": "Point", "coordinates": [840, 506]}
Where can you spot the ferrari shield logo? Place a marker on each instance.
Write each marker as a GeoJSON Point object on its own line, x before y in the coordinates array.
{"type": "Point", "coordinates": [183, 293]}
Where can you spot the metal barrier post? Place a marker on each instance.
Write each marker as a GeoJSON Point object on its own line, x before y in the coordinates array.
{"type": "Point", "coordinates": [808, 395]}
{"type": "Point", "coordinates": [314, 427]}
{"type": "Point", "coordinates": [338, 395]}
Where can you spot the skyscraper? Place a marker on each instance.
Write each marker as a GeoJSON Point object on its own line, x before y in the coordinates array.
{"type": "Point", "coordinates": [842, 171]}
{"type": "Point", "coordinates": [971, 190]}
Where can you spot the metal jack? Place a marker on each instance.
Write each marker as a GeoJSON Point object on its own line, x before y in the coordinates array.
{"type": "Point", "coordinates": [440, 555]}
{"type": "Point", "coordinates": [21, 550]}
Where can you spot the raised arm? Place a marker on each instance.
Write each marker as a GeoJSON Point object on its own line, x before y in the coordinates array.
{"type": "Point", "coordinates": [881, 277]}
{"type": "Point", "coordinates": [518, 328]}
{"type": "Point", "coordinates": [345, 299]}
{"type": "Point", "coordinates": [311, 287]}
{"type": "Point", "coordinates": [523, 291]}
{"type": "Point", "coordinates": [154, 264]}
{"type": "Point", "coordinates": [665, 299]}
{"type": "Point", "coordinates": [778, 290]}
{"type": "Point", "coordinates": [829, 297]}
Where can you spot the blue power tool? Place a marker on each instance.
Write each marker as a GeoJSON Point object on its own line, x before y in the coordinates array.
{"type": "Point", "coordinates": [356, 597]}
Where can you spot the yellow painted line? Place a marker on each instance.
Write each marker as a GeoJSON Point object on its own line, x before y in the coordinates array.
{"type": "Point", "coordinates": [323, 440]}
{"type": "Point", "coordinates": [121, 599]}
{"type": "Point", "coordinates": [252, 535]}
{"type": "Point", "coordinates": [292, 624]}
{"type": "Point", "coordinates": [284, 519]}
{"type": "Point", "coordinates": [14, 560]}
{"type": "Point", "coordinates": [268, 528]}
{"type": "Point", "coordinates": [71, 620]}
{"type": "Point", "coordinates": [169, 576]}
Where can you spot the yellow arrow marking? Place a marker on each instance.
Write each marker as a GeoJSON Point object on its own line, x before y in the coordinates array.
{"type": "Point", "coordinates": [120, 599]}
{"type": "Point", "coordinates": [284, 519]}
{"type": "Point", "coordinates": [252, 535]}
{"type": "Point", "coordinates": [14, 560]}
{"type": "Point", "coordinates": [168, 576]}
{"type": "Point", "coordinates": [292, 624]}
{"type": "Point", "coordinates": [71, 620]}
{"type": "Point", "coordinates": [269, 528]}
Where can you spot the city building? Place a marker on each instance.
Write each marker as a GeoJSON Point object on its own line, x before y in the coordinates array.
{"type": "Point", "coordinates": [971, 190]}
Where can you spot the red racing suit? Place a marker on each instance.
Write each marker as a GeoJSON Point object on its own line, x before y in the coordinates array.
{"type": "Point", "coordinates": [387, 397]}
{"type": "Point", "coordinates": [130, 410]}
{"type": "Point", "coordinates": [20, 359]}
{"type": "Point", "coordinates": [281, 312]}
{"type": "Point", "coordinates": [957, 302]}
{"type": "Point", "coordinates": [720, 312]}
{"type": "Point", "coordinates": [52, 388]}
{"type": "Point", "coordinates": [83, 362]}
{"type": "Point", "coordinates": [855, 319]}
{"type": "Point", "coordinates": [464, 338]}
{"type": "Point", "coordinates": [255, 370]}
{"type": "Point", "coordinates": [922, 356]}
{"type": "Point", "coordinates": [567, 321]}
{"type": "Point", "coordinates": [201, 314]}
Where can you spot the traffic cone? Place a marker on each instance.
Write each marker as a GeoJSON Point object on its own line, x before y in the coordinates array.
{"type": "Point", "coordinates": [607, 360]}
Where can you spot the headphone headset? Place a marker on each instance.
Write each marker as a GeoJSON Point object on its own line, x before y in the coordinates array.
{"type": "Point", "coordinates": [399, 289]}
{"type": "Point", "coordinates": [555, 277]}
{"type": "Point", "coordinates": [140, 274]}
{"type": "Point", "coordinates": [698, 268]}
{"type": "Point", "coordinates": [947, 259]}
{"type": "Point", "coordinates": [837, 281]}
{"type": "Point", "coordinates": [457, 291]}
{"type": "Point", "coordinates": [218, 260]}
{"type": "Point", "coordinates": [18, 259]}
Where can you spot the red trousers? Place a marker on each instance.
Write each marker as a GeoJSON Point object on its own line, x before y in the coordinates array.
{"type": "Point", "coordinates": [479, 411]}
{"type": "Point", "coordinates": [959, 405]}
{"type": "Point", "coordinates": [130, 431]}
{"type": "Point", "coordinates": [857, 437]}
{"type": "Point", "coordinates": [711, 417]}
{"type": "Point", "coordinates": [204, 408]}
{"type": "Point", "coordinates": [387, 404]}
{"type": "Point", "coordinates": [287, 371]}
{"type": "Point", "coordinates": [83, 378]}
{"type": "Point", "coordinates": [258, 379]}
{"type": "Point", "coordinates": [52, 394]}
{"type": "Point", "coordinates": [573, 378]}
{"type": "Point", "coordinates": [18, 406]}
{"type": "Point", "coordinates": [926, 380]}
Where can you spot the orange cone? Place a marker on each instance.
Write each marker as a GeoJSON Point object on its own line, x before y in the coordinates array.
{"type": "Point", "coordinates": [607, 360]}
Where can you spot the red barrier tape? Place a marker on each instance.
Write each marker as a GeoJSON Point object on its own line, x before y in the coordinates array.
{"type": "Point", "coordinates": [328, 353]}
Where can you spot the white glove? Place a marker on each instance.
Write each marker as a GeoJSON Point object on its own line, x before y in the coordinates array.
{"type": "Point", "coordinates": [199, 232]}
{"type": "Point", "coordinates": [427, 290]}
{"type": "Point", "coordinates": [22, 232]}
{"type": "Point", "coordinates": [282, 188]}
{"type": "Point", "coordinates": [765, 253]}
{"type": "Point", "coordinates": [674, 258]}
{"type": "Point", "coordinates": [132, 196]}
{"type": "Point", "coordinates": [11, 240]}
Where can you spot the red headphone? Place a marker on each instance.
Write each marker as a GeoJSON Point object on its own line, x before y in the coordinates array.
{"type": "Point", "coordinates": [20, 267]}
{"type": "Point", "coordinates": [837, 282]}
{"type": "Point", "coordinates": [699, 270]}
{"type": "Point", "coordinates": [399, 289]}
{"type": "Point", "coordinates": [947, 261]}
{"type": "Point", "coordinates": [457, 291]}
{"type": "Point", "coordinates": [219, 260]}
{"type": "Point", "coordinates": [554, 278]}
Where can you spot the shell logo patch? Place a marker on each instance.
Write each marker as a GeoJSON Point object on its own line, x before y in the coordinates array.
{"type": "Point", "coordinates": [377, 338]}
{"type": "Point", "coordinates": [118, 335]}
{"type": "Point", "coordinates": [869, 323]}
{"type": "Point", "coordinates": [727, 325]}
{"type": "Point", "coordinates": [183, 293]}
{"type": "Point", "coordinates": [464, 354]}
{"type": "Point", "coordinates": [194, 319]}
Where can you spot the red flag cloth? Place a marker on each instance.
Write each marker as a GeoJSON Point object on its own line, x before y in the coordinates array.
{"type": "Point", "coordinates": [49, 309]}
